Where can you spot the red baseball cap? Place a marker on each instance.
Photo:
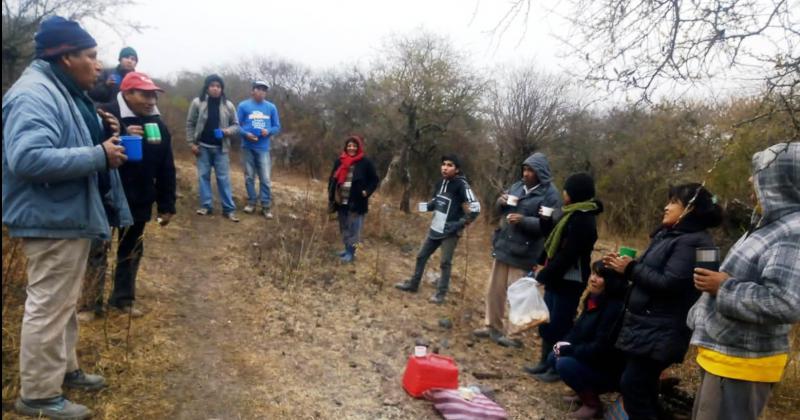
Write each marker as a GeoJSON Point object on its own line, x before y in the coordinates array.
{"type": "Point", "coordinates": [138, 81]}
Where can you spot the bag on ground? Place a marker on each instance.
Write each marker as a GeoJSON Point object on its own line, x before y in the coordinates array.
{"type": "Point", "coordinates": [461, 404]}
{"type": "Point", "coordinates": [527, 307]}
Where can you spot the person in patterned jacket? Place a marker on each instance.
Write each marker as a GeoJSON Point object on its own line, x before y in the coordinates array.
{"type": "Point", "coordinates": [741, 323]}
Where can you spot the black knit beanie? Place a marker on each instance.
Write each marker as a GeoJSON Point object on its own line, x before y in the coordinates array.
{"type": "Point", "coordinates": [57, 36]}
{"type": "Point", "coordinates": [452, 158]}
{"type": "Point", "coordinates": [580, 187]}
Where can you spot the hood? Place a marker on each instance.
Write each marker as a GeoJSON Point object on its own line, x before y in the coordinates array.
{"type": "Point", "coordinates": [125, 110]}
{"type": "Point", "coordinates": [776, 175]}
{"type": "Point", "coordinates": [538, 162]}
{"type": "Point", "coordinates": [358, 139]}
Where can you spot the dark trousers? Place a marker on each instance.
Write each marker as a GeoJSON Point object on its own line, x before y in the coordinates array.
{"type": "Point", "coordinates": [562, 307]}
{"type": "Point", "coordinates": [129, 252]}
{"type": "Point", "coordinates": [639, 385]}
{"type": "Point", "coordinates": [583, 378]}
{"type": "Point", "coordinates": [95, 279]}
{"type": "Point", "coordinates": [430, 246]}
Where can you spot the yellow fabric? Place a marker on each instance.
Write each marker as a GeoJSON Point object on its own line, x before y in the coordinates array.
{"type": "Point", "coordinates": [762, 369]}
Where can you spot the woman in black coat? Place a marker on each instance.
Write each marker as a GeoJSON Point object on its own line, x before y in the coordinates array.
{"type": "Point", "coordinates": [566, 259]}
{"type": "Point", "coordinates": [353, 180]}
{"type": "Point", "coordinates": [654, 334]}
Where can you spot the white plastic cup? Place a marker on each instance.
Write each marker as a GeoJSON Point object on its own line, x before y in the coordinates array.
{"type": "Point", "coordinates": [512, 200]}
{"type": "Point", "coordinates": [420, 351]}
{"type": "Point", "coordinates": [422, 207]}
{"type": "Point", "coordinates": [547, 211]}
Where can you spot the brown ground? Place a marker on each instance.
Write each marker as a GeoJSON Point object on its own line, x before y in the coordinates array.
{"type": "Point", "coordinates": [259, 320]}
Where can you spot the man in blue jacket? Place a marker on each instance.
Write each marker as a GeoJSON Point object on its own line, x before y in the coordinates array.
{"type": "Point", "coordinates": [59, 193]}
{"type": "Point", "coordinates": [259, 121]}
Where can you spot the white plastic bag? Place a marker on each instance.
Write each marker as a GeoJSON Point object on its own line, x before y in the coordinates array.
{"type": "Point", "coordinates": [527, 307]}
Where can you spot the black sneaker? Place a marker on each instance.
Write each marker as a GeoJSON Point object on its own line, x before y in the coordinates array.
{"type": "Point", "coordinates": [54, 408]}
{"type": "Point", "coordinates": [549, 376]}
{"type": "Point", "coordinates": [77, 379]}
{"type": "Point", "coordinates": [407, 286]}
{"type": "Point", "coordinates": [535, 370]}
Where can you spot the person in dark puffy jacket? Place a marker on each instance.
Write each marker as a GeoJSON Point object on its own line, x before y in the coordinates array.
{"type": "Point", "coordinates": [352, 182]}
{"type": "Point", "coordinates": [450, 196]}
{"type": "Point", "coordinates": [518, 241]}
{"type": "Point", "coordinates": [587, 360]}
{"type": "Point", "coordinates": [654, 333]}
{"type": "Point", "coordinates": [109, 81]}
{"type": "Point", "coordinates": [566, 257]}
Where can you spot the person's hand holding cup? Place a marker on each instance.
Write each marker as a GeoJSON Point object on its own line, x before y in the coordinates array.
{"type": "Point", "coordinates": [512, 200]}
{"type": "Point", "coordinates": [546, 211]}
{"type": "Point", "coordinates": [559, 345]}
{"type": "Point", "coordinates": [422, 207]}
{"type": "Point", "coordinates": [707, 277]}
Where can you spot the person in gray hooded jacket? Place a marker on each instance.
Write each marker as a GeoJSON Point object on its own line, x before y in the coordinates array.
{"type": "Point", "coordinates": [518, 241]}
{"type": "Point", "coordinates": [742, 321]}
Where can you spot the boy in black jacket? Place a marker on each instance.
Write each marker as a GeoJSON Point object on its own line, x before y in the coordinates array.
{"type": "Point", "coordinates": [449, 219]}
{"type": "Point", "coordinates": [151, 180]}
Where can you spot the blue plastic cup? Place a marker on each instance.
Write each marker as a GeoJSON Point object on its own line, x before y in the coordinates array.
{"type": "Point", "coordinates": [218, 134]}
{"type": "Point", "coordinates": [117, 78]}
{"type": "Point", "coordinates": [133, 147]}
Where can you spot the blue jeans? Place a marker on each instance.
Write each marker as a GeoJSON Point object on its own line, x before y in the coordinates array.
{"type": "Point", "coordinates": [257, 163]}
{"type": "Point", "coordinates": [217, 159]}
{"type": "Point", "coordinates": [350, 226]}
{"type": "Point", "coordinates": [581, 377]}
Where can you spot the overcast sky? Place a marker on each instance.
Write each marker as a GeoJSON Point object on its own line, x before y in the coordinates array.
{"type": "Point", "coordinates": [195, 35]}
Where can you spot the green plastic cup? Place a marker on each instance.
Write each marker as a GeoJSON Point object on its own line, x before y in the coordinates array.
{"type": "Point", "coordinates": [152, 133]}
{"type": "Point", "coordinates": [625, 251]}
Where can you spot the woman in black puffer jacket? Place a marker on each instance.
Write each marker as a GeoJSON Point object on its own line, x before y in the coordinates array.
{"type": "Point", "coordinates": [654, 333]}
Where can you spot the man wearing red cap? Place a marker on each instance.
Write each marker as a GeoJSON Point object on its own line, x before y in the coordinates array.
{"type": "Point", "coordinates": [149, 181]}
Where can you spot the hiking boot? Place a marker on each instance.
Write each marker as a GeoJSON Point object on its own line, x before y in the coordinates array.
{"type": "Point", "coordinates": [77, 379]}
{"type": "Point", "coordinates": [437, 298]}
{"type": "Point", "coordinates": [232, 217]}
{"type": "Point", "coordinates": [407, 286]}
{"type": "Point", "coordinates": [202, 211]}
{"type": "Point", "coordinates": [266, 213]}
{"type": "Point", "coordinates": [249, 209]}
{"type": "Point", "coordinates": [540, 368]}
{"type": "Point", "coordinates": [548, 376]}
{"type": "Point", "coordinates": [128, 310]}
{"type": "Point", "coordinates": [54, 408]}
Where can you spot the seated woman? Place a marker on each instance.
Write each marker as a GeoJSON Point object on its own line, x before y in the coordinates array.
{"type": "Point", "coordinates": [586, 360]}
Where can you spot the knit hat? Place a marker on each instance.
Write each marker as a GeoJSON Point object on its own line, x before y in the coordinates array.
{"type": "Point", "coordinates": [209, 80]}
{"type": "Point", "coordinates": [128, 52]}
{"type": "Point", "coordinates": [580, 187]}
{"type": "Point", "coordinates": [452, 158]}
{"type": "Point", "coordinates": [57, 36]}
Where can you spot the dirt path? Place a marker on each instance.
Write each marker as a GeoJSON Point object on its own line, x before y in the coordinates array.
{"type": "Point", "coordinates": [266, 324]}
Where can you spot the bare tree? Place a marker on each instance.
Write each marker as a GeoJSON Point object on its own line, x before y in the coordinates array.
{"type": "Point", "coordinates": [21, 18]}
{"type": "Point", "coordinates": [424, 80]}
{"type": "Point", "coordinates": [641, 45]}
{"type": "Point", "coordinates": [526, 111]}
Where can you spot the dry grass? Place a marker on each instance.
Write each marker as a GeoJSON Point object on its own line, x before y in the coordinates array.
{"type": "Point", "coordinates": [258, 320]}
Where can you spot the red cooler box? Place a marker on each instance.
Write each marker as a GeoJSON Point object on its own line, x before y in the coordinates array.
{"type": "Point", "coordinates": [429, 371]}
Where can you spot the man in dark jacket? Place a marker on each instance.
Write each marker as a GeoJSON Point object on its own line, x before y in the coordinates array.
{"type": "Point", "coordinates": [151, 180]}
{"type": "Point", "coordinates": [449, 219]}
{"type": "Point", "coordinates": [108, 83]}
{"type": "Point", "coordinates": [518, 241]}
